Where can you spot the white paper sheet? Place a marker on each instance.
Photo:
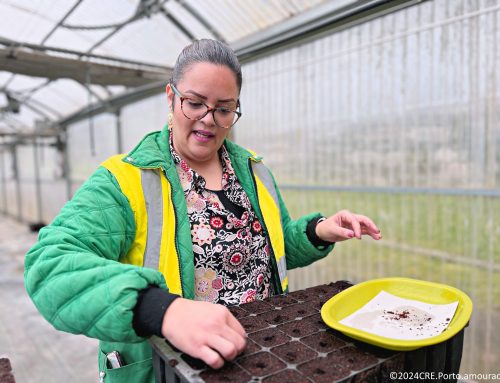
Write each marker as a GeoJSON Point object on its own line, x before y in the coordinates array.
{"type": "Point", "coordinates": [398, 318]}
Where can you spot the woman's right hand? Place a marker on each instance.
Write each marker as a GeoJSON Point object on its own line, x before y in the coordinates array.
{"type": "Point", "coordinates": [204, 330]}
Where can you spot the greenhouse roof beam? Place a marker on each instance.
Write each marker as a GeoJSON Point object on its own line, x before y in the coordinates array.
{"type": "Point", "coordinates": [36, 110]}
{"type": "Point", "coordinates": [38, 64]}
{"type": "Point", "coordinates": [42, 105]}
{"type": "Point", "coordinates": [322, 19]}
{"type": "Point", "coordinates": [13, 122]}
{"type": "Point", "coordinates": [177, 23]}
{"type": "Point", "coordinates": [27, 93]}
{"type": "Point", "coordinates": [201, 19]}
{"type": "Point", "coordinates": [78, 2]}
{"type": "Point", "coordinates": [105, 38]}
{"type": "Point", "coordinates": [20, 135]}
{"type": "Point", "coordinates": [145, 8]}
{"type": "Point", "coordinates": [50, 34]}
{"type": "Point", "coordinates": [319, 19]}
{"type": "Point", "coordinates": [91, 92]}
{"type": "Point", "coordinates": [114, 103]}
{"type": "Point", "coordinates": [9, 43]}
{"type": "Point", "coordinates": [7, 129]}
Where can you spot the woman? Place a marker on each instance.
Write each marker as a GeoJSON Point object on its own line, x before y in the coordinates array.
{"type": "Point", "coordinates": [185, 220]}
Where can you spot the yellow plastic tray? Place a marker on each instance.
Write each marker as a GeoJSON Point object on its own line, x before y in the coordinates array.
{"type": "Point", "coordinates": [355, 297]}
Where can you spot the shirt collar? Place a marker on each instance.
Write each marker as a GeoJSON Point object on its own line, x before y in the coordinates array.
{"type": "Point", "coordinates": [197, 181]}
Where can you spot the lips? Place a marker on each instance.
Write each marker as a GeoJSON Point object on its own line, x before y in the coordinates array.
{"type": "Point", "coordinates": [203, 134]}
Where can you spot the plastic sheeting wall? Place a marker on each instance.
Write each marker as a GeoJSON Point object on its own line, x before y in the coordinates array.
{"type": "Point", "coordinates": [141, 118]}
{"type": "Point", "coordinates": [87, 150]}
{"type": "Point", "coordinates": [397, 118]}
{"type": "Point", "coordinates": [407, 100]}
{"type": "Point", "coordinates": [89, 143]}
{"type": "Point", "coordinates": [21, 195]}
{"type": "Point", "coordinates": [9, 200]}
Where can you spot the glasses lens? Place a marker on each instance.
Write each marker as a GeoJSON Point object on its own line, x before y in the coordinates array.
{"type": "Point", "coordinates": [193, 109]}
{"type": "Point", "coordinates": [225, 118]}
{"type": "Point", "coordinates": [196, 110]}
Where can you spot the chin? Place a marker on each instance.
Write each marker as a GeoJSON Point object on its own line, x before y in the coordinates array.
{"type": "Point", "coordinates": [204, 154]}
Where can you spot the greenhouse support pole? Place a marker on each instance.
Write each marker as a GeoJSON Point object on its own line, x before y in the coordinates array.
{"type": "Point", "coordinates": [3, 180]}
{"type": "Point", "coordinates": [18, 183]}
{"type": "Point", "coordinates": [38, 189]}
{"type": "Point", "coordinates": [66, 166]}
{"type": "Point", "coordinates": [119, 140]}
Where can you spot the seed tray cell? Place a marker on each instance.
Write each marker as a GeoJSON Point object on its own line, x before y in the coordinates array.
{"type": "Point", "coordinates": [281, 301]}
{"type": "Point", "coordinates": [238, 312]}
{"type": "Point", "coordinates": [294, 352]}
{"type": "Point", "coordinates": [256, 307]}
{"type": "Point", "coordinates": [261, 364]}
{"type": "Point", "coordinates": [252, 324]}
{"type": "Point", "coordinates": [275, 317]}
{"type": "Point", "coordinates": [269, 337]}
{"type": "Point", "coordinates": [316, 321]}
{"type": "Point", "coordinates": [289, 342]}
{"type": "Point", "coordinates": [298, 328]}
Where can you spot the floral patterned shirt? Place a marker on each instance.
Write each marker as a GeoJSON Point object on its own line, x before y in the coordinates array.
{"type": "Point", "coordinates": [231, 254]}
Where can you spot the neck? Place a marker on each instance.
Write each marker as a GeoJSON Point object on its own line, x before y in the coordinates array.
{"type": "Point", "coordinates": [210, 170]}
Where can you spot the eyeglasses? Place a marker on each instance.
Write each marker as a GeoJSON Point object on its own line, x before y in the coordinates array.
{"type": "Point", "coordinates": [224, 117]}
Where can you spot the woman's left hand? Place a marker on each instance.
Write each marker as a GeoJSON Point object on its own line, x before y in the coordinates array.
{"type": "Point", "coordinates": [345, 225]}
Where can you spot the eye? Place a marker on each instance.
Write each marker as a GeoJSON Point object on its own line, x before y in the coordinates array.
{"type": "Point", "coordinates": [194, 104]}
{"type": "Point", "coordinates": [224, 110]}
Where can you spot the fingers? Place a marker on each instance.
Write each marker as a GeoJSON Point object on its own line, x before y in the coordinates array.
{"type": "Point", "coordinates": [351, 220]}
{"type": "Point", "coordinates": [231, 341]}
{"type": "Point", "coordinates": [346, 225]}
{"type": "Point", "coordinates": [368, 227]}
{"type": "Point", "coordinates": [236, 325]}
{"type": "Point", "coordinates": [204, 330]}
{"type": "Point", "coordinates": [216, 349]}
{"type": "Point", "coordinates": [224, 344]}
{"type": "Point", "coordinates": [209, 356]}
{"type": "Point", "coordinates": [360, 225]}
{"type": "Point", "coordinates": [226, 348]}
{"type": "Point", "coordinates": [339, 234]}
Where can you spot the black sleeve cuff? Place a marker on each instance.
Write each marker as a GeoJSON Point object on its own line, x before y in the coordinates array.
{"type": "Point", "coordinates": [313, 237]}
{"type": "Point", "coordinates": [152, 303]}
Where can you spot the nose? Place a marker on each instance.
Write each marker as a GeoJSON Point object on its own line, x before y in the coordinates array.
{"type": "Point", "coordinates": [209, 120]}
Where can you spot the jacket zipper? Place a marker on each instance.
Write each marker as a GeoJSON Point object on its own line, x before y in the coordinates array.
{"type": "Point", "coordinates": [274, 267]}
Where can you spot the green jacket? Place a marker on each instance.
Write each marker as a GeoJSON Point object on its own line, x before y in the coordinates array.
{"type": "Point", "coordinates": [74, 272]}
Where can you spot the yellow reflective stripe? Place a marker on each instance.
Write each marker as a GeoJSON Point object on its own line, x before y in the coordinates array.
{"type": "Point", "coordinates": [129, 179]}
{"type": "Point", "coordinates": [272, 219]}
{"type": "Point", "coordinates": [169, 260]}
{"type": "Point", "coordinates": [284, 284]}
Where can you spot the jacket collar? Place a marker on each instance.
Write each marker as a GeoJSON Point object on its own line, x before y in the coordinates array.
{"type": "Point", "coordinates": [238, 152]}
{"type": "Point", "coordinates": [154, 152]}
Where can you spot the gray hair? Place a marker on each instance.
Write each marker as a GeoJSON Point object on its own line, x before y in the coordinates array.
{"type": "Point", "coordinates": [207, 51]}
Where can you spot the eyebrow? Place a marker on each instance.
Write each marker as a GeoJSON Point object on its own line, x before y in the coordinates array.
{"type": "Point", "coordinates": [205, 97]}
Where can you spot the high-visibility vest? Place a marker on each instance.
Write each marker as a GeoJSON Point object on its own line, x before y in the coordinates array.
{"type": "Point", "coordinates": [154, 245]}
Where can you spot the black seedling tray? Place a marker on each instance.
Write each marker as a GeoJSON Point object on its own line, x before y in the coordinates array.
{"type": "Point", "coordinates": [289, 342]}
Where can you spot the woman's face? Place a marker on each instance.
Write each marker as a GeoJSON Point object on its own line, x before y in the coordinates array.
{"type": "Point", "coordinates": [197, 142]}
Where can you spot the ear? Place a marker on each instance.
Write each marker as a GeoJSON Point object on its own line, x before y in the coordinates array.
{"type": "Point", "coordinates": [170, 96]}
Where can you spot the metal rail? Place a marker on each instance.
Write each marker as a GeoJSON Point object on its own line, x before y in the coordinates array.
{"type": "Point", "coordinates": [396, 190]}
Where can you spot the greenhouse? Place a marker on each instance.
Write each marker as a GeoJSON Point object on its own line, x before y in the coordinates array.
{"type": "Point", "coordinates": [387, 109]}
